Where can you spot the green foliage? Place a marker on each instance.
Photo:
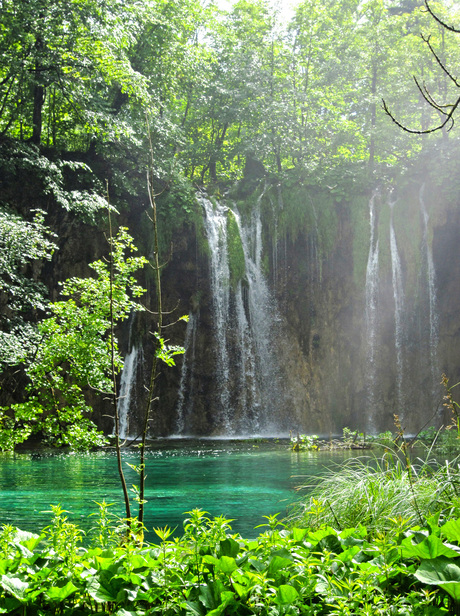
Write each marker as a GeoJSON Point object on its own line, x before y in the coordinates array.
{"type": "Point", "coordinates": [211, 571]}
{"type": "Point", "coordinates": [166, 352]}
{"type": "Point", "coordinates": [378, 492]}
{"type": "Point", "coordinates": [66, 70]}
{"type": "Point", "coordinates": [176, 207]}
{"type": "Point", "coordinates": [48, 177]}
{"type": "Point", "coordinates": [304, 442]}
{"type": "Point", "coordinates": [74, 353]}
{"type": "Point", "coordinates": [21, 243]}
{"type": "Point", "coordinates": [441, 441]}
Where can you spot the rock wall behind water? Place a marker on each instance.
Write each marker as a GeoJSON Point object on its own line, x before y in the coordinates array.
{"type": "Point", "coordinates": [333, 364]}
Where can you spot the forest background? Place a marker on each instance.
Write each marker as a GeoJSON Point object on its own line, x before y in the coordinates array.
{"type": "Point", "coordinates": [230, 97]}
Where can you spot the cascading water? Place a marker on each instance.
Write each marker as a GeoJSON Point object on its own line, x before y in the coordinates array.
{"type": "Point", "coordinates": [371, 293]}
{"type": "Point", "coordinates": [127, 384]}
{"type": "Point", "coordinates": [186, 390]}
{"type": "Point", "coordinates": [398, 295]}
{"type": "Point", "coordinates": [261, 319]}
{"type": "Point", "coordinates": [244, 328]}
{"type": "Point", "coordinates": [432, 296]}
{"type": "Point", "coordinates": [216, 232]}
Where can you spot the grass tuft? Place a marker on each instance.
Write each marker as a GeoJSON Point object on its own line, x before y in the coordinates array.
{"type": "Point", "coordinates": [380, 493]}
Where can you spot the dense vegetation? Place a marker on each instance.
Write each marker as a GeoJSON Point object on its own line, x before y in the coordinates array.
{"type": "Point", "coordinates": [310, 568]}
{"type": "Point", "coordinates": [229, 96]}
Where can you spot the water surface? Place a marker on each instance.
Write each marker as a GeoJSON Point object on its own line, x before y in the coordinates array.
{"type": "Point", "coordinates": [240, 480]}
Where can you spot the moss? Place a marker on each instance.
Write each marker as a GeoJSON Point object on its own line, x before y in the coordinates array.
{"type": "Point", "coordinates": [236, 260]}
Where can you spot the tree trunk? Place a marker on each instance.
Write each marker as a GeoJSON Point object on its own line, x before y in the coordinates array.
{"type": "Point", "coordinates": [39, 99]}
{"type": "Point", "coordinates": [217, 146]}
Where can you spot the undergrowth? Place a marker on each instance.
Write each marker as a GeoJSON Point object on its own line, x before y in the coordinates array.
{"type": "Point", "coordinates": [211, 571]}
{"type": "Point", "coordinates": [381, 493]}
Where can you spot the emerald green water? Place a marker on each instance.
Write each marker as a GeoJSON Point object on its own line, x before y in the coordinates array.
{"type": "Point", "coordinates": [240, 480]}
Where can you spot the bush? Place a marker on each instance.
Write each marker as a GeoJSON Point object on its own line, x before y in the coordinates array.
{"type": "Point", "coordinates": [213, 572]}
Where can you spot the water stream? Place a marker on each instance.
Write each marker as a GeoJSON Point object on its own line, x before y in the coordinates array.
{"type": "Point", "coordinates": [216, 233]}
{"type": "Point", "coordinates": [244, 323]}
{"type": "Point", "coordinates": [427, 253]}
{"type": "Point", "coordinates": [186, 392]}
{"type": "Point", "coordinates": [371, 296]}
{"type": "Point", "coordinates": [133, 361]}
{"type": "Point", "coordinates": [398, 295]}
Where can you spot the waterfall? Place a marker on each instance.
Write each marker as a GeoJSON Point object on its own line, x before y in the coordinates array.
{"type": "Point", "coordinates": [371, 294]}
{"type": "Point", "coordinates": [186, 390]}
{"type": "Point", "coordinates": [398, 295]}
{"type": "Point", "coordinates": [216, 232]}
{"type": "Point", "coordinates": [127, 381]}
{"type": "Point", "coordinates": [244, 323]}
{"type": "Point", "coordinates": [427, 253]}
{"type": "Point", "coordinates": [262, 318]}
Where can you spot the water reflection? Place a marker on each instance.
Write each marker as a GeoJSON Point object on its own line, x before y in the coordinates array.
{"type": "Point", "coordinates": [236, 479]}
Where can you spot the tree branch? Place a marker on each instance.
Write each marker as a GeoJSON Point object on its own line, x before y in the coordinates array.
{"type": "Point", "coordinates": [442, 23]}
{"type": "Point", "coordinates": [439, 61]}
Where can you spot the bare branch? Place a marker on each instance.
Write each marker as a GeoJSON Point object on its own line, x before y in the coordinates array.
{"type": "Point", "coordinates": [442, 23]}
{"type": "Point", "coordinates": [446, 111]}
{"type": "Point", "coordinates": [448, 119]}
{"type": "Point", "coordinates": [439, 61]}
{"type": "Point", "coordinates": [426, 95]}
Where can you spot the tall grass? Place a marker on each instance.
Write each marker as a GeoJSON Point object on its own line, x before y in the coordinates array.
{"type": "Point", "coordinates": [380, 493]}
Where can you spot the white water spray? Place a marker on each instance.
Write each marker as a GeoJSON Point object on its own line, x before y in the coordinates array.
{"type": "Point", "coordinates": [216, 232]}
{"type": "Point", "coordinates": [398, 295]}
{"type": "Point", "coordinates": [185, 404]}
{"type": "Point", "coordinates": [244, 320]}
{"type": "Point", "coordinates": [127, 383]}
{"type": "Point", "coordinates": [431, 281]}
{"type": "Point", "coordinates": [372, 285]}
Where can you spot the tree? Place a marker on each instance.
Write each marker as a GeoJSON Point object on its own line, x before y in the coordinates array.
{"type": "Point", "coordinates": [21, 243]}
{"type": "Point", "coordinates": [65, 68]}
{"type": "Point", "coordinates": [76, 351]}
{"type": "Point", "coordinates": [446, 111]}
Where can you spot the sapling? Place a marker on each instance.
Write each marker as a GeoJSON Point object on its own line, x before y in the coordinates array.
{"type": "Point", "coordinates": [163, 352]}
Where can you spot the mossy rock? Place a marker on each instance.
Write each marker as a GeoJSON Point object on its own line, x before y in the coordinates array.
{"type": "Point", "coordinates": [236, 261]}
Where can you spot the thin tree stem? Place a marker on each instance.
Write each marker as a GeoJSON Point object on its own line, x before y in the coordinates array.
{"type": "Point", "coordinates": [114, 374]}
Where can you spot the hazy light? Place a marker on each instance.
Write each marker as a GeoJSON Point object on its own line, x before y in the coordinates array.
{"type": "Point", "coordinates": [285, 8]}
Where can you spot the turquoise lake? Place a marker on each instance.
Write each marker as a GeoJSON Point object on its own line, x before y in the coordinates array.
{"type": "Point", "coordinates": [241, 480]}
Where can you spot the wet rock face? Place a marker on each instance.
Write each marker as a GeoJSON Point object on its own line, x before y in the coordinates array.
{"type": "Point", "coordinates": [321, 340]}
{"type": "Point", "coordinates": [317, 376]}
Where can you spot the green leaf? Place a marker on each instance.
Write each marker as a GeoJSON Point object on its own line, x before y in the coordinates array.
{"type": "Point", "coordinates": [226, 598]}
{"type": "Point", "coordinates": [349, 554]}
{"type": "Point", "coordinates": [299, 534]}
{"type": "Point", "coordinates": [15, 586]}
{"type": "Point", "coordinates": [229, 547]}
{"type": "Point", "coordinates": [451, 530]}
{"type": "Point", "coordinates": [277, 563]}
{"type": "Point", "coordinates": [227, 564]}
{"type": "Point", "coordinates": [59, 593]}
{"type": "Point", "coordinates": [196, 608]}
{"type": "Point", "coordinates": [441, 572]}
{"type": "Point", "coordinates": [286, 594]}
{"type": "Point", "coordinates": [430, 547]}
